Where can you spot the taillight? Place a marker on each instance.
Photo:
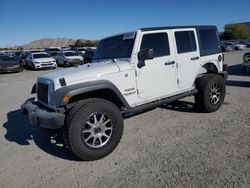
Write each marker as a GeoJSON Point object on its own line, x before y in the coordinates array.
{"type": "Point", "coordinates": [220, 58]}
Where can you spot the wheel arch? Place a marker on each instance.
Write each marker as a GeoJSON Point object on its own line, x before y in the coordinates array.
{"type": "Point", "coordinates": [95, 89]}
{"type": "Point", "coordinates": [209, 67]}
{"type": "Point", "coordinates": [102, 93]}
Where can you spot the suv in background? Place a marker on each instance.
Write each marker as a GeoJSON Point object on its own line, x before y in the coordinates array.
{"type": "Point", "coordinates": [68, 58]}
{"type": "Point", "coordinates": [130, 73]}
{"type": "Point", "coordinates": [88, 56]}
{"type": "Point", "coordinates": [40, 60]}
{"type": "Point", "coordinates": [22, 58]}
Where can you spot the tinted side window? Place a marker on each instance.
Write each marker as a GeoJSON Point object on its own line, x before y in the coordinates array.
{"type": "Point", "coordinates": [158, 42]}
{"type": "Point", "coordinates": [185, 41]}
{"type": "Point", "coordinates": [209, 43]}
{"type": "Point", "coordinates": [209, 39]}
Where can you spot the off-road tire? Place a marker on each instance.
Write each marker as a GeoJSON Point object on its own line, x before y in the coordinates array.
{"type": "Point", "coordinates": [69, 116]}
{"type": "Point", "coordinates": [76, 119]}
{"type": "Point", "coordinates": [203, 97]}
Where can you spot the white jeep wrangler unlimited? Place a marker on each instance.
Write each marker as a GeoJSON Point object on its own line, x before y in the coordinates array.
{"type": "Point", "coordinates": [130, 73]}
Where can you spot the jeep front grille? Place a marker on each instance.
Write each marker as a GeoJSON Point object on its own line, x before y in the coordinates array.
{"type": "Point", "coordinates": [42, 92]}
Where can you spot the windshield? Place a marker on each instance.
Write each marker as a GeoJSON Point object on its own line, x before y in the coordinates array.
{"type": "Point", "coordinates": [70, 54]}
{"type": "Point", "coordinates": [115, 47]}
{"type": "Point", "coordinates": [53, 53]}
{"type": "Point", "coordinates": [36, 56]}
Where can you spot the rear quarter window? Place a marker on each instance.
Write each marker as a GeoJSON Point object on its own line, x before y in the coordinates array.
{"type": "Point", "coordinates": [208, 41]}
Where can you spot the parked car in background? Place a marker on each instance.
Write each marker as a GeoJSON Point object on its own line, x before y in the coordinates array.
{"type": "Point", "coordinates": [9, 64]}
{"type": "Point", "coordinates": [240, 47]}
{"type": "Point", "coordinates": [246, 43]}
{"type": "Point", "coordinates": [22, 58]}
{"type": "Point", "coordinates": [88, 56]}
{"type": "Point", "coordinates": [68, 58]}
{"type": "Point", "coordinates": [52, 49]}
{"type": "Point", "coordinates": [234, 45]}
{"type": "Point", "coordinates": [246, 61]}
{"type": "Point", "coordinates": [40, 60]}
{"type": "Point", "coordinates": [226, 48]}
{"type": "Point", "coordinates": [17, 54]}
{"type": "Point", "coordinates": [81, 51]}
{"type": "Point", "coordinates": [53, 53]}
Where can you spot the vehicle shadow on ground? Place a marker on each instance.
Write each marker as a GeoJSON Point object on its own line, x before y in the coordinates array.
{"type": "Point", "coordinates": [22, 133]}
{"type": "Point", "coordinates": [237, 70]}
{"type": "Point", "coordinates": [181, 106]}
{"type": "Point", "coordinates": [238, 83]}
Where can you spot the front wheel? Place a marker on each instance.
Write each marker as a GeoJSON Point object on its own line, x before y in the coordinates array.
{"type": "Point", "coordinates": [95, 128]}
{"type": "Point", "coordinates": [211, 93]}
{"type": "Point", "coordinates": [33, 66]}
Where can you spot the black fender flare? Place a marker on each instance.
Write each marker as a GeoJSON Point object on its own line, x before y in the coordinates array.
{"type": "Point", "coordinates": [81, 88]}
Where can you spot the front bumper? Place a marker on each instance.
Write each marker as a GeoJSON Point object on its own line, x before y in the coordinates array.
{"type": "Point", "coordinates": [41, 116]}
{"type": "Point", "coordinates": [10, 69]}
{"type": "Point", "coordinates": [45, 65]}
{"type": "Point", "coordinates": [73, 62]}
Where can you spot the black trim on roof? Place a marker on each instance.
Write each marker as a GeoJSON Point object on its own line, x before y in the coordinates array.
{"type": "Point", "coordinates": [179, 27]}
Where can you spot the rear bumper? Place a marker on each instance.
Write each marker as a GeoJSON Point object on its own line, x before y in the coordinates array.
{"type": "Point", "coordinates": [224, 73]}
{"type": "Point", "coordinates": [42, 117]}
{"type": "Point", "coordinates": [245, 64]}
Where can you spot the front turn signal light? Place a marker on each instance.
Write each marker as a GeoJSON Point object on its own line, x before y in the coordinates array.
{"type": "Point", "coordinates": [66, 99]}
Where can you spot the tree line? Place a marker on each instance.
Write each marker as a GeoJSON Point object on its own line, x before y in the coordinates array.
{"type": "Point", "coordinates": [85, 43]}
{"type": "Point", "coordinates": [234, 31]}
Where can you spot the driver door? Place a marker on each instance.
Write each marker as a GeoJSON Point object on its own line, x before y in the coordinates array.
{"type": "Point", "coordinates": [158, 76]}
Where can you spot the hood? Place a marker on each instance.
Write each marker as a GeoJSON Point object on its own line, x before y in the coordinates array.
{"type": "Point", "coordinates": [86, 72]}
{"type": "Point", "coordinates": [40, 60]}
{"type": "Point", "coordinates": [8, 62]}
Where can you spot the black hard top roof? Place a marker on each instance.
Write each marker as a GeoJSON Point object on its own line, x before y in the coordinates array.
{"type": "Point", "coordinates": [179, 27]}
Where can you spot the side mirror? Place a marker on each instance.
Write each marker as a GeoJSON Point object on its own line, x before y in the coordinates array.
{"type": "Point", "coordinates": [145, 54]}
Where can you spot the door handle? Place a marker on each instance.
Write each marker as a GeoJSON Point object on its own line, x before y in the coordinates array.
{"type": "Point", "coordinates": [194, 58]}
{"type": "Point", "coordinates": [169, 63]}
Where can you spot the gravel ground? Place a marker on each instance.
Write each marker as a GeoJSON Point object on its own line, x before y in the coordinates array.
{"type": "Point", "coordinates": [171, 146]}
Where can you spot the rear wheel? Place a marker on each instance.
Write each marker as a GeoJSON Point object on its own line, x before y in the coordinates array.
{"type": "Point", "coordinates": [211, 93]}
{"type": "Point", "coordinates": [95, 128]}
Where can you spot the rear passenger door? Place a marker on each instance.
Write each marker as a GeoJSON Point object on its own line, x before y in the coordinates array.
{"type": "Point", "coordinates": [187, 57]}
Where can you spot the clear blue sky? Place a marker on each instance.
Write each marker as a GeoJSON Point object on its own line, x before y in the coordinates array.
{"type": "Point", "coordinates": [25, 20]}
